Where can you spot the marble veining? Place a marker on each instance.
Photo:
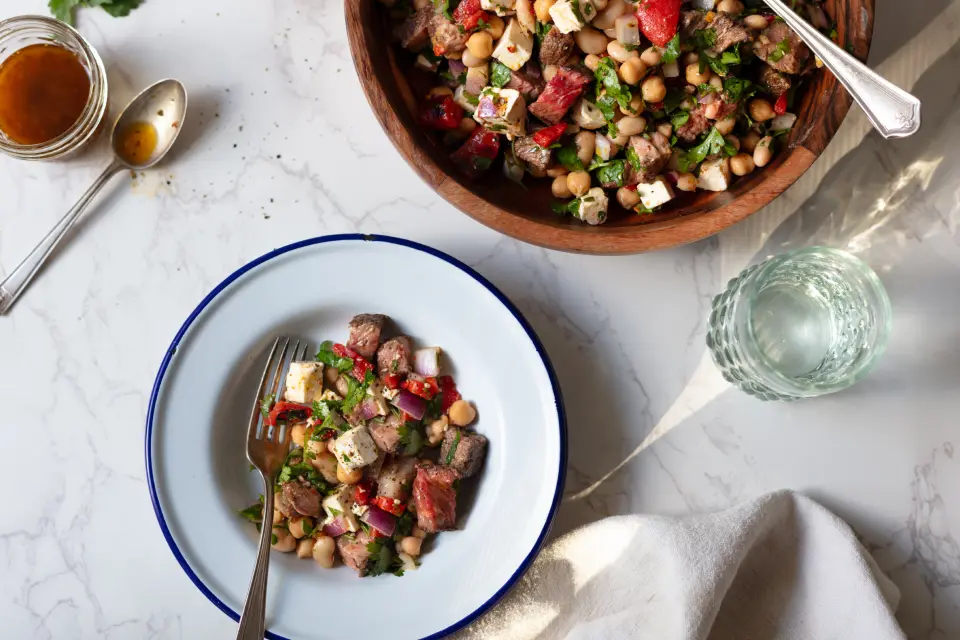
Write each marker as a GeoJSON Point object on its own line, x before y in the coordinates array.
{"type": "Point", "coordinates": [280, 145]}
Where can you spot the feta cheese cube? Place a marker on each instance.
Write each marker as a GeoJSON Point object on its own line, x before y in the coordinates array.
{"type": "Point", "coordinates": [339, 504]}
{"type": "Point", "coordinates": [656, 193]}
{"type": "Point", "coordinates": [390, 394]}
{"type": "Point", "coordinates": [502, 111]}
{"type": "Point", "coordinates": [375, 391]}
{"type": "Point", "coordinates": [500, 7]}
{"type": "Point", "coordinates": [515, 46]}
{"type": "Point", "coordinates": [466, 99]}
{"type": "Point", "coordinates": [355, 449]}
{"type": "Point", "coordinates": [715, 174]}
{"type": "Point", "coordinates": [593, 206]}
{"type": "Point", "coordinates": [330, 396]}
{"type": "Point", "coordinates": [572, 15]}
{"type": "Point", "coordinates": [304, 382]}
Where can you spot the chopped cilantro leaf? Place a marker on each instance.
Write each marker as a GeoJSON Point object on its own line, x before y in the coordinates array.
{"type": "Point", "coordinates": [253, 513]}
{"type": "Point", "coordinates": [566, 208]}
{"type": "Point", "coordinates": [606, 75]}
{"type": "Point", "coordinates": [330, 359]}
{"type": "Point", "coordinates": [634, 159]}
{"type": "Point", "coordinates": [782, 49]}
{"type": "Point", "coordinates": [266, 404]}
{"type": "Point", "coordinates": [672, 51]}
{"type": "Point", "coordinates": [737, 89]}
{"type": "Point", "coordinates": [679, 119]}
{"type": "Point", "coordinates": [453, 448]}
{"type": "Point", "coordinates": [500, 74]}
{"type": "Point", "coordinates": [567, 157]}
{"type": "Point", "coordinates": [711, 145]}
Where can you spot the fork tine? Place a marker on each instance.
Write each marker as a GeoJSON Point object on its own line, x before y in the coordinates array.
{"type": "Point", "coordinates": [255, 414]}
{"type": "Point", "coordinates": [277, 384]}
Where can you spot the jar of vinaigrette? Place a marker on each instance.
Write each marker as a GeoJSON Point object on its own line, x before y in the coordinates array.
{"type": "Point", "coordinates": [53, 89]}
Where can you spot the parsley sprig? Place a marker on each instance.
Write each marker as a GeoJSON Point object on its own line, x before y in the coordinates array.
{"type": "Point", "coordinates": [65, 9]}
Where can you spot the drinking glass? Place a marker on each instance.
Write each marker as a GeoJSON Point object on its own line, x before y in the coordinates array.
{"type": "Point", "coordinates": [803, 324]}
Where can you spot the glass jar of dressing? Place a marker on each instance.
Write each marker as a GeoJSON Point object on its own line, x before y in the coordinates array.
{"type": "Point", "coordinates": [53, 89]}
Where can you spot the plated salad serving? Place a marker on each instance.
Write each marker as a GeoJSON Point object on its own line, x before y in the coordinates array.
{"type": "Point", "coordinates": [631, 100]}
{"type": "Point", "coordinates": [382, 440]}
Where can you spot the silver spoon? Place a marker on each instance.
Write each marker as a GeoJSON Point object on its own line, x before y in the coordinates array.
{"type": "Point", "coordinates": [891, 110]}
{"type": "Point", "coordinates": [162, 106]}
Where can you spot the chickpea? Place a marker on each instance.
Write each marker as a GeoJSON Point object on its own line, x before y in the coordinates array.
{"type": "Point", "coordinates": [586, 144]}
{"type": "Point", "coordinates": [300, 527]}
{"type": "Point", "coordinates": [734, 141]}
{"type": "Point", "coordinates": [636, 105]}
{"type": "Point", "coordinates": [297, 433]}
{"type": "Point", "coordinates": [711, 111]}
{"type": "Point", "coordinates": [633, 70]}
{"type": "Point", "coordinates": [330, 375]}
{"type": "Point", "coordinates": [348, 477]}
{"type": "Point", "coordinates": [411, 546]}
{"type": "Point", "coordinates": [579, 183]}
{"type": "Point", "coordinates": [763, 153]}
{"type": "Point", "coordinates": [694, 75]}
{"type": "Point", "coordinates": [471, 60]}
{"type": "Point", "coordinates": [592, 62]}
{"type": "Point", "coordinates": [495, 27]}
{"type": "Point", "coordinates": [590, 41]}
{"type": "Point", "coordinates": [651, 57]}
{"type": "Point", "coordinates": [549, 71]}
{"type": "Point", "coordinates": [557, 171]}
{"type": "Point", "coordinates": [417, 532]}
{"type": "Point", "coordinates": [277, 517]}
{"type": "Point", "coordinates": [691, 58]}
{"type": "Point", "coordinates": [653, 89]}
{"type": "Point", "coordinates": [461, 412]}
{"type": "Point", "coordinates": [323, 461]}
{"type": "Point", "coordinates": [542, 9]}
{"type": "Point", "coordinates": [756, 22]}
{"type": "Point", "coordinates": [284, 541]}
{"type": "Point", "coordinates": [323, 548]}
{"type": "Point", "coordinates": [749, 142]}
{"type": "Point", "coordinates": [716, 82]}
{"type": "Point", "coordinates": [439, 92]}
{"type": "Point", "coordinates": [437, 428]}
{"type": "Point", "coordinates": [665, 129]}
{"type": "Point", "coordinates": [620, 53]}
{"type": "Point", "coordinates": [742, 164]}
{"type": "Point", "coordinates": [628, 198]}
{"type": "Point", "coordinates": [480, 44]}
{"type": "Point", "coordinates": [305, 548]}
{"type": "Point", "coordinates": [632, 125]}
{"type": "Point", "coordinates": [687, 182]}
{"type": "Point", "coordinates": [725, 125]}
{"type": "Point", "coordinates": [761, 110]}
{"type": "Point", "coordinates": [730, 6]}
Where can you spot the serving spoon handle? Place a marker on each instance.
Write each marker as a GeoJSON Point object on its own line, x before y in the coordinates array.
{"type": "Point", "coordinates": [891, 110]}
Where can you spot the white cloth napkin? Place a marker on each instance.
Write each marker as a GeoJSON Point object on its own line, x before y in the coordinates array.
{"type": "Point", "coordinates": [779, 567]}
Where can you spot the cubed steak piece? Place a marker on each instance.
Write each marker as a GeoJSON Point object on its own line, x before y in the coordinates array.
{"type": "Point", "coordinates": [353, 550]}
{"type": "Point", "coordinates": [414, 32]}
{"type": "Point", "coordinates": [691, 22]}
{"type": "Point", "coordinates": [653, 155]}
{"type": "Point", "coordinates": [387, 433]}
{"type": "Point", "coordinates": [528, 81]}
{"type": "Point", "coordinates": [728, 31]}
{"type": "Point", "coordinates": [560, 93]}
{"type": "Point", "coordinates": [394, 356]}
{"type": "Point", "coordinates": [365, 332]}
{"type": "Point", "coordinates": [529, 151]}
{"type": "Point", "coordinates": [695, 127]}
{"type": "Point", "coordinates": [396, 478]}
{"type": "Point", "coordinates": [304, 498]}
{"type": "Point", "coordinates": [435, 497]}
{"type": "Point", "coordinates": [774, 82]}
{"type": "Point", "coordinates": [463, 451]}
{"type": "Point", "coordinates": [782, 49]}
{"type": "Point", "coordinates": [446, 36]}
{"type": "Point", "coordinates": [556, 47]}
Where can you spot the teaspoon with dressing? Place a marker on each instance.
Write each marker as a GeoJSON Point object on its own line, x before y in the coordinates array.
{"type": "Point", "coordinates": [142, 136]}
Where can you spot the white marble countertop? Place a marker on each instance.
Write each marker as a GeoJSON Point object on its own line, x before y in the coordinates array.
{"type": "Point", "coordinates": [280, 145]}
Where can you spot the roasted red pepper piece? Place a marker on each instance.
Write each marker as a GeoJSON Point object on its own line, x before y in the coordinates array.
{"type": "Point", "coordinates": [390, 505]}
{"type": "Point", "coordinates": [282, 410]}
{"type": "Point", "coordinates": [362, 493]}
{"type": "Point", "coordinates": [360, 366]}
{"type": "Point", "coordinates": [441, 113]}
{"type": "Point", "coordinates": [469, 14]}
{"type": "Point", "coordinates": [659, 19]}
{"type": "Point", "coordinates": [780, 106]}
{"type": "Point", "coordinates": [426, 389]}
{"type": "Point", "coordinates": [449, 390]}
{"type": "Point", "coordinates": [392, 380]}
{"type": "Point", "coordinates": [477, 153]}
{"type": "Point", "coordinates": [546, 137]}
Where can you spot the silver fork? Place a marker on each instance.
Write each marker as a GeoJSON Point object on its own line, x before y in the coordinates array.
{"type": "Point", "coordinates": [267, 448]}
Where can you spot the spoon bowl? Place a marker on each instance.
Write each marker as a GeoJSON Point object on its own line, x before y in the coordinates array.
{"type": "Point", "coordinates": [161, 106]}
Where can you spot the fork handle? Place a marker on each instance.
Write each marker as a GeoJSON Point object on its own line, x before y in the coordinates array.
{"type": "Point", "coordinates": [891, 110]}
{"type": "Point", "coordinates": [254, 611]}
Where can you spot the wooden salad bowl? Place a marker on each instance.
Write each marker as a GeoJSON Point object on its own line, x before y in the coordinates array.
{"type": "Point", "coordinates": [392, 87]}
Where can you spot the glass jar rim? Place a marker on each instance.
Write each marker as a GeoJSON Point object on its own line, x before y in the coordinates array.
{"type": "Point", "coordinates": [95, 110]}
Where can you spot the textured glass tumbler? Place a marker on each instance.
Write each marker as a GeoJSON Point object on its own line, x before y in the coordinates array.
{"type": "Point", "coordinates": [800, 325]}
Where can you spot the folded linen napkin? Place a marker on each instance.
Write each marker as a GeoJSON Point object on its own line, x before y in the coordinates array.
{"type": "Point", "coordinates": [778, 567]}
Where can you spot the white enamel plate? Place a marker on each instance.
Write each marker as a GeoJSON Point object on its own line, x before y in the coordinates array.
{"type": "Point", "coordinates": [196, 433]}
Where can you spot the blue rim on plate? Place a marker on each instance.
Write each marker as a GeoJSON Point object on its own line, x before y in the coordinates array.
{"type": "Point", "coordinates": [171, 350]}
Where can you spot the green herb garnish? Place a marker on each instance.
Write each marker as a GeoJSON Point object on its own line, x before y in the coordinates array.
{"type": "Point", "coordinates": [737, 89]}
{"type": "Point", "coordinates": [567, 157]}
{"type": "Point", "coordinates": [782, 49]}
{"type": "Point", "coordinates": [713, 144]}
{"type": "Point", "coordinates": [453, 448]}
{"type": "Point", "coordinates": [64, 9]}
{"type": "Point", "coordinates": [634, 159]}
{"type": "Point", "coordinates": [672, 51]}
{"type": "Point", "coordinates": [500, 74]}
{"type": "Point", "coordinates": [566, 208]}
{"type": "Point", "coordinates": [612, 172]}
{"type": "Point", "coordinates": [330, 359]}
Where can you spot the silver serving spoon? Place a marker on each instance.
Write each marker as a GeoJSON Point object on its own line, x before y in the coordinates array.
{"type": "Point", "coordinates": [162, 106]}
{"type": "Point", "coordinates": [891, 110]}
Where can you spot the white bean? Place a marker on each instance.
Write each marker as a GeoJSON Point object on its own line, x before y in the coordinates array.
{"type": "Point", "coordinates": [651, 57]}
{"type": "Point", "coordinates": [589, 40]}
{"type": "Point", "coordinates": [305, 548]}
{"type": "Point", "coordinates": [631, 125]}
{"type": "Point", "coordinates": [411, 545]}
{"type": "Point", "coordinates": [687, 182]}
{"type": "Point", "coordinates": [559, 189]}
{"type": "Point", "coordinates": [284, 541]}
{"type": "Point", "coordinates": [628, 198]}
{"type": "Point", "coordinates": [763, 153]}
{"type": "Point", "coordinates": [323, 548]}
{"type": "Point", "coordinates": [619, 52]}
{"type": "Point", "coordinates": [756, 22]}
{"type": "Point", "coordinates": [586, 144]}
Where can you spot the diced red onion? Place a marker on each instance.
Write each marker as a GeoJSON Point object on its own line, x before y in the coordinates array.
{"type": "Point", "coordinates": [604, 148]}
{"type": "Point", "coordinates": [486, 108]}
{"type": "Point", "coordinates": [368, 408]}
{"type": "Point", "coordinates": [456, 67]}
{"type": "Point", "coordinates": [817, 17]}
{"type": "Point", "coordinates": [783, 123]}
{"type": "Point", "coordinates": [671, 70]}
{"type": "Point", "coordinates": [414, 405]}
{"type": "Point", "coordinates": [708, 98]}
{"type": "Point", "coordinates": [336, 527]}
{"type": "Point", "coordinates": [380, 520]}
{"type": "Point", "coordinates": [426, 362]}
{"type": "Point", "coordinates": [672, 177]}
